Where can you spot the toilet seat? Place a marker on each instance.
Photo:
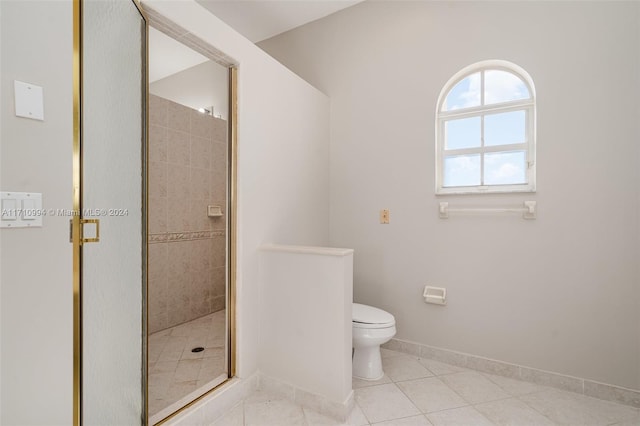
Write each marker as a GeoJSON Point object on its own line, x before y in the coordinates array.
{"type": "Point", "coordinates": [365, 316]}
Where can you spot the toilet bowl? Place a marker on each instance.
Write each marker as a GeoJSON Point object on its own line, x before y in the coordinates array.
{"type": "Point", "coordinates": [371, 328]}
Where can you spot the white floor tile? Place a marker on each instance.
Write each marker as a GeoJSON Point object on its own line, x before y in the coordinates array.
{"type": "Point", "coordinates": [275, 412]}
{"type": "Point", "coordinates": [465, 416]}
{"type": "Point", "coordinates": [386, 353]}
{"type": "Point", "coordinates": [316, 419]}
{"type": "Point", "coordinates": [360, 383]}
{"type": "Point", "coordinates": [474, 387]}
{"type": "Point", "coordinates": [234, 417]}
{"type": "Point", "coordinates": [431, 394]}
{"type": "Point", "coordinates": [400, 368]}
{"type": "Point", "coordinates": [569, 408]}
{"type": "Point", "coordinates": [512, 412]}
{"type": "Point", "coordinates": [515, 387]}
{"type": "Point", "coordinates": [384, 402]}
{"type": "Point", "coordinates": [439, 368]}
{"type": "Point", "coordinates": [356, 418]}
{"type": "Point", "coordinates": [634, 421]}
{"type": "Point", "coordinates": [420, 420]}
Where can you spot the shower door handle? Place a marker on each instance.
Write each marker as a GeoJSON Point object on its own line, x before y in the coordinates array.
{"type": "Point", "coordinates": [83, 240]}
{"type": "Point", "coordinates": [95, 239]}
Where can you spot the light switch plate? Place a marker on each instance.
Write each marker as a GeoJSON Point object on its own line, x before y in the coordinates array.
{"type": "Point", "coordinates": [21, 210]}
{"type": "Point", "coordinates": [29, 100]}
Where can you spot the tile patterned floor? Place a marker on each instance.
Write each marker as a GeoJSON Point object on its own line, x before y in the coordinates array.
{"type": "Point", "coordinates": [424, 392]}
{"type": "Point", "coordinates": [175, 371]}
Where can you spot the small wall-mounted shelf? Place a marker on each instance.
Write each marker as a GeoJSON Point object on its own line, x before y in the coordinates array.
{"type": "Point", "coordinates": [214, 211]}
{"type": "Point", "coordinates": [528, 210]}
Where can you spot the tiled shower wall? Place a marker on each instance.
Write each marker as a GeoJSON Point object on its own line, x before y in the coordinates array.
{"type": "Point", "coordinates": [187, 173]}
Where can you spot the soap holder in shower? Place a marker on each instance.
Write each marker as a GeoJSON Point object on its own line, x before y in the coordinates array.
{"type": "Point", "coordinates": [214, 211]}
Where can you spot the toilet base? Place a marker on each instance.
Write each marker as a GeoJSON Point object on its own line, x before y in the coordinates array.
{"type": "Point", "coordinates": [367, 363]}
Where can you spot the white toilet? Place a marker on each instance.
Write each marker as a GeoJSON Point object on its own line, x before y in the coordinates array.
{"type": "Point", "coordinates": [371, 328]}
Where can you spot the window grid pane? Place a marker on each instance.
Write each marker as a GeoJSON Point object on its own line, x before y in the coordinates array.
{"type": "Point", "coordinates": [503, 86]}
{"type": "Point", "coordinates": [505, 168]}
{"type": "Point", "coordinates": [462, 170]}
{"type": "Point", "coordinates": [464, 94]}
{"type": "Point", "coordinates": [504, 128]}
{"type": "Point", "coordinates": [463, 133]}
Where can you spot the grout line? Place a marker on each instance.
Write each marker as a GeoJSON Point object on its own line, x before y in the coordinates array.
{"type": "Point", "coordinates": [568, 381]}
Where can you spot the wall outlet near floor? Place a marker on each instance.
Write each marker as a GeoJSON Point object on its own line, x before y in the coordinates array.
{"type": "Point", "coordinates": [384, 216]}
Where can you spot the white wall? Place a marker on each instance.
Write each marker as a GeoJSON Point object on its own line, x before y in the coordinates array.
{"type": "Point", "coordinates": [200, 86]}
{"type": "Point", "coordinates": [305, 339]}
{"type": "Point", "coordinates": [283, 155]}
{"type": "Point", "coordinates": [560, 293]}
{"type": "Point", "coordinates": [36, 264]}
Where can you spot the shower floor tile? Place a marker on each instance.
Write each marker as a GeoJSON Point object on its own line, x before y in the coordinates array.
{"type": "Point", "coordinates": [175, 371]}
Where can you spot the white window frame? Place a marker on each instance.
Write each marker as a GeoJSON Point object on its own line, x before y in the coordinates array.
{"type": "Point", "coordinates": [529, 146]}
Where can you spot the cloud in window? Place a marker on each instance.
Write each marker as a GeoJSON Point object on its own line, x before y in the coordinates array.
{"type": "Point", "coordinates": [465, 94]}
{"type": "Point", "coordinates": [499, 86]}
{"type": "Point", "coordinates": [502, 86]}
{"type": "Point", "coordinates": [504, 168]}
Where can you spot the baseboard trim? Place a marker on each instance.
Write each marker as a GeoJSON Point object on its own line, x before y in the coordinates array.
{"type": "Point", "coordinates": [579, 385]}
{"type": "Point", "coordinates": [217, 403]}
{"type": "Point", "coordinates": [319, 403]}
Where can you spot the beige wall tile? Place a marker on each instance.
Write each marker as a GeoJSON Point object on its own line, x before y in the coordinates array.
{"type": "Point", "coordinates": [178, 147]}
{"type": "Point", "coordinates": [220, 130]}
{"type": "Point", "coordinates": [157, 143]}
{"type": "Point", "coordinates": [157, 179]}
{"type": "Point", "coordinates": [218, 303]}
{"type": "Point", "coordinates": [218, 181]}
{"type": "Point", "coordinates": [200, 221]}
{"type": "Point", "coordinates": [178, 182]}
{"type": "Point", "coordinates": [219, 156]}
{"type": "Point", "coordinates": [182, 154]}
{"type": "Point", "coordinates": [157, 215]}
{"type": "Point", "coordinates": [178, 117]}
{"type": "Point", "coordinates": [200, 183]}
{"type": "Point", "coordinates": [219, 223]}
{"type": "Point", "coordinates": [218, 250]}
{"type": "Point", "coordinates": [201, 124]}
{"type": "Point", "coordinates": [158, 110]}
{"type": "Point", "coordinates": [178, 215]}
{"type": "Point", "coordinates": [201, 152]}
{"type": "Point", "coordinates": [218, 281]}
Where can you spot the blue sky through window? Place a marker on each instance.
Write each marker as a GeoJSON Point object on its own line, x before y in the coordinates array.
{"type": "Point", "coordinates": [463, 133]}
{"type": "Point", "coordinates": [465, 94]}
{"type": "Point", "coordinates": [505, 128]}
{"type": "Point", "coordinates": [504, 168]}
{"type": "Point", "coordinates": [462, 170]}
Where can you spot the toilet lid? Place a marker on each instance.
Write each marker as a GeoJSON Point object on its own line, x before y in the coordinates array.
{"type": "Point", "coordinates": [369, 315]}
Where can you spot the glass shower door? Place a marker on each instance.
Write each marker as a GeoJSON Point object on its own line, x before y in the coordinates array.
{"type": "Point", "coordinates": [112, 269]}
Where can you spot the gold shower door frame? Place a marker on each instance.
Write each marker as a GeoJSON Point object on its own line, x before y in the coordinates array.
{"type": "Point", "coordinates": [76, 225]}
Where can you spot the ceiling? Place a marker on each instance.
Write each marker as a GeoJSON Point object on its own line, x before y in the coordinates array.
{"type": "Point", "coordinates": [259, 20]}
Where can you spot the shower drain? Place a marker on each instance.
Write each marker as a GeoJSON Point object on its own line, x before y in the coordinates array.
{"type": "Point", "coordinates": [198, 349]}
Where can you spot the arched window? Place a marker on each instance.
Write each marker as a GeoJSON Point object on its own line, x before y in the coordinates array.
{"type": "Point", "coordinates": [485, 131]}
